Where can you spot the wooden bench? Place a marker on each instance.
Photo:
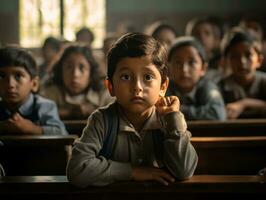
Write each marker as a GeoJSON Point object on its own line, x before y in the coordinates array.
{"type": "Point", "coordinates": [230, 155]}
{"type": "Point", "coordinates": [35, 155]}
{"type": "Point", "coordinates": [198, 187]}
{"type": "Point", "coordinates": [239, 127]}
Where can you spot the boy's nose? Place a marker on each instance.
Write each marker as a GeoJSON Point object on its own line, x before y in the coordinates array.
{"type": "Point", "coordinates": [137, 86]}
{"type": "Point", "coordinates": [11, 81]}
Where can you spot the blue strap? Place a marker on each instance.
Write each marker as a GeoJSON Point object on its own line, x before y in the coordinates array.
{"type": "Point", "coordinates": [111, 126]}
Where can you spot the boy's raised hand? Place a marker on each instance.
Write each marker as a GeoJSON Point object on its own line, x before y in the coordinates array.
{"type": "Point", "coordinates": [152, 174]}
{"type": "Point", "coordinates": [167, 104]}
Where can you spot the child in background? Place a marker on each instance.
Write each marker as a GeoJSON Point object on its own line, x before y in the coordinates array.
{"type": "Point", "coordinates": [137, 77]}
{"type": "Point", "coordinates": [22, 111]}
{"type": "Point", "coordinates": [77, 88]}
{"type": "Point", "coordinates": [244, 91]}
{"type": "Point", "coordinates": [200, 98]}
{"type": "Point", "coordinates": [50, 49]}
{"type": "Point", "coordinates": [162, 32]}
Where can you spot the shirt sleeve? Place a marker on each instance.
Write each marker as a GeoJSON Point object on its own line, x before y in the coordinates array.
{"type": "Point", "coordinates": [85, 167]}
{"type": "Point", "coordinates": [210, 106]}
{"type": "Point", "coordinates": [49, 119]}
{"type": "Point", "coordinates": [179, 156]}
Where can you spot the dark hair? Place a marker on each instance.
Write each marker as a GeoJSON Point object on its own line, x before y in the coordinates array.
{"type": "Point", "coordinates": [137, 45]}
{"type": "Point", "coordinates": [155, 28]}
{"type": "Point", "coordinates": [237, 35]}
{"type": "Point", "coordinates": [14, 56]}
{"type": "Point", "coordinates": [213, 21]}
{"type": "Point", "coordinates": [95, 83]}
{"type": "Point", "coordinates": [85, 30]}
{"type": "Point", "coordinates": [53, 42]}
{"type": "Point", "coordinates": [187, 41]}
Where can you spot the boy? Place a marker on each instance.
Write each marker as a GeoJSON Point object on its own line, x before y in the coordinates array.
{"type": "Point", "coordinates": [137, 77]}
{"type": "Point", "coordinates": [244, 91]}
{"type": "Point", "coordinates": [22, 111]}
{"type": "Point", "coordinates": [200, 98]}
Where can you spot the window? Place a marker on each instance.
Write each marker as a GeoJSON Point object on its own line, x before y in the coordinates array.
{"type": "Point", "coordinates": [42, 18]}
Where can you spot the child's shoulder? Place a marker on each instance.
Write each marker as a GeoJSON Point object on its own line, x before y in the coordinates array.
{"type": "Point", "coordinates": [43, 101]}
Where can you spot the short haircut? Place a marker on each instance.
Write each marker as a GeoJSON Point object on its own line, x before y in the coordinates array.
{"type": "Point", "coordinates": [18, 57]}
{"type": "Point", "coordinates": [85, 30]}
{"type": "Point", "coordinates": [95, 81]}
{"type": "Point", "coordinates": [137, 45]}
{"type": "Point", "coordinates": [237, 35]}
{"type": "Point", "coordinates": [213, 21]}
{"type": "Point", "coordinates": [187, 41]}
{"type": "Point", "coordinates": [155, 28]}
{"type": "Point", "coordinates": [53, 42]}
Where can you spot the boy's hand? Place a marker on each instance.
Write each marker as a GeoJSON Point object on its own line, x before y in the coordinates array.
{"type": "Point", "coordinates": [168, 104]}
{"type": "Point", "coordinates": [151, 173]}
{"type": "Point", "coordinates": [234, 110]}
{"type": "Point", "coordinates": [18, 124]}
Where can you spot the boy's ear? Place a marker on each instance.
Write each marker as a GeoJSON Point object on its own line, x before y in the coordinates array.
{"type": "Point", "coordinates": [35, 84]}
{"type": "Point", "coordinates": [260, 60]}
{"type": "Point", "coordinates": [164, 87]}
{"type": "Point", "coordinates": [204, 68]}
{"type": "Point", "coordinates": [109, 86]}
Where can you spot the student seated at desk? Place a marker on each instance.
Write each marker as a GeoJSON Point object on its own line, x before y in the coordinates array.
{"type": "Point", "coordinates": [151, 137]}
{"type": "Point", "coordinates": [200, 98]}
{"type": "Point", "coordinates": [21, 110]}
{"type": "Point", "coordinates": [244, 90]}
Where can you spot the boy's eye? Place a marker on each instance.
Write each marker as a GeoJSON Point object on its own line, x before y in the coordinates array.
{"type": "Point", "coordinates": [125, 77]}
{"type": "Point", "coordinates": [148, 77]}
{"type": "Point", "coordinates": [191, 62]}
{"type": "Point", "coordinates": [2, 76]}
{"type": "Point", "coordinates": [18, 76]}
{"type": "Point", "coordinates": [81, 67]}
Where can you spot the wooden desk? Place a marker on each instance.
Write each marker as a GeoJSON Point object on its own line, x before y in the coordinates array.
{"type": "Point", "coordinates": [35, 155]}
{"type": "Point", "coordinates": [198, 187]}
{"type": "Point", "coordinates": [239, 127]}
{"type": "Point", "coordinates": [230, 155]}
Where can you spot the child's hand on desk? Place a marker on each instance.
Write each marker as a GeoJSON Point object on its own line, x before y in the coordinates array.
{"type": "Point", "coordinates": [167, 104]}
{"type": "Point", "coordinates": [234, 109]}
{"type": "Point", "coordinates": [151, 174]}
{"type": "Point", "coordinates": [18, 124]}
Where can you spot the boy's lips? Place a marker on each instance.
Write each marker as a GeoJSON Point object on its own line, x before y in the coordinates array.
{"type": "Point", "coordinates": [137, 99]}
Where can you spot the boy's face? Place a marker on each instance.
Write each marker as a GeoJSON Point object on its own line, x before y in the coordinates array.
{"type": "Point", "coordinates": [15, 85]}
{"type": "Point", "coordinates": [243, 59]}
{"type": "Point", "coordinates": [205, 34]}
{"type": "Point", "coordinates": [137, 84]}
{"type": "Point", "coordinates": [76, 73]}
{"type": "Point", "coordinates": [166, 37]}
{"type": "Point", "coordinates": [186, 68]}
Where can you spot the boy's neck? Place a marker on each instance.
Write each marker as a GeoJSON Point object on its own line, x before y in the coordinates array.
{"type": "Point", "coordinates": [138, 119]}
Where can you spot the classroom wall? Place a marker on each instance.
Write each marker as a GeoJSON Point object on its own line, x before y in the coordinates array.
{"type": "Point", "coordinates": [139, 13]}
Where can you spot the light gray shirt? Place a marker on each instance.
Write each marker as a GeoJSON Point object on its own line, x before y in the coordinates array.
{"type": "Point", "coordinates": [132, 148]}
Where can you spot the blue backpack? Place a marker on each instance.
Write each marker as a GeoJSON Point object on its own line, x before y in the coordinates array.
{"type": "Point", "coordinates": [111, 121]}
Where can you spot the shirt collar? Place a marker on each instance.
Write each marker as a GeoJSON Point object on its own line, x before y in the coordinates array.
{"type": "Point", "coordinates": [26, 108]}
{"type": "Point", "coordinates": [153, 122]}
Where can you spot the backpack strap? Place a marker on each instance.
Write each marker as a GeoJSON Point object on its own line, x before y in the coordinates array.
{"type": "Point", "coordinates": [158, 137]}
{"type": "Point", "coordinates": [111, 122]}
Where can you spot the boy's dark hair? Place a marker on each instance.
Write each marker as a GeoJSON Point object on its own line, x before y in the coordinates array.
{"type": "Point", "coordinates": [137, 45]}
{"type": "Point", "coordinates": [86, 31]}
{"type": "Point", "coordinates": [237, 35]}
{"type": "Point", "coordinates": [155, 28]}
{"type": "Point", "coordinates": [213, 21]}
{"type": "Point", "coordinates": [53, 42]}
{"type": "Point", "coordinates": [17, 57]}
{"type": "Point", "coordinates": [187, 41]}
{"type": "Point", "coordinates": [95, 80]}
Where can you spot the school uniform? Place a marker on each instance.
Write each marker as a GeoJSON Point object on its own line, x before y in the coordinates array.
{"type": "Point", "coordinates": [232, 92]}
{"type": "Point", "coordinates": [40, 111]}
{"type": "Point", "coordinates": [92, 99]}
{"type": "Point", "coordinates": [132, 148]}
{"type": "Point", "coordinates": [204, 102]}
